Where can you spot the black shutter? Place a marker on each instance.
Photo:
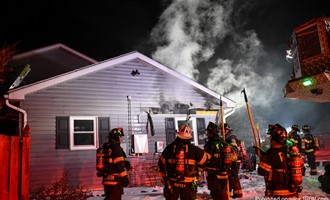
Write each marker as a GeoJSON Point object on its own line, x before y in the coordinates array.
{"type": "Point", "coordinates": [104, 128]}
{"type": "Point", "coordinates": [170, 130]}
{"type": "Point", "coordinates": [62, 132]}
{"type": "Point", "coordinates": [200, 130]}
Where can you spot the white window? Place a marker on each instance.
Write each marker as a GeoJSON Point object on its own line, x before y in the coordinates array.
{"type": "Point", "coordinates": [83, 132]}
{"type": "Point", "coordinates": [191, 123]}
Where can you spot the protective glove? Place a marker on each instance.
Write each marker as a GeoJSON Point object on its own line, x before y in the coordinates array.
{"type": "Point", "coordinates": [125, 181]}
{"type": "Point", "coordinates": [99, 174]}
{"type": "Point", "coordinates": [131, 169]}
{"type": "Point", "coordinates": [163, 179]}
{"type": "Point", "coordinates": [262, 151]}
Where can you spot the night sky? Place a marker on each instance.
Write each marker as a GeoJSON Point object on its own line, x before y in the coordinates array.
{"type": "Point", "coordinates": [224, 45]}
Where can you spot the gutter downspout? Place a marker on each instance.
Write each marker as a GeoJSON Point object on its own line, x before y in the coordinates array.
{"type": "Point", "coordinates": [20, 144]}
{"type": "Point", "coordinates": [18, 109]}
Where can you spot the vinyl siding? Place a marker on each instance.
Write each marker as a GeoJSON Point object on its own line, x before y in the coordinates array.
{"type": "Point", "coordinates": [103, 94]}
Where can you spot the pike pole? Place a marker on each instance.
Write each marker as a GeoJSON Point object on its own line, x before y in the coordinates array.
{"type": "Point", "coordinates": [224, 138]}
{"type": "Point", "coordinates": [251, 120]}
{"type": "Point", "coordinates": [222, 120]}
{"type": "Point", "coordinates": [258, 131]}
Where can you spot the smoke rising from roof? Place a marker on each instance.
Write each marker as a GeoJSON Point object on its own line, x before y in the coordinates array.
{"type": "Point", "coordinates": [215, 44]}
{"type": "Point", "coordinates": [229, 76]}
{"type": "Point", "coordinates": [189, 32]}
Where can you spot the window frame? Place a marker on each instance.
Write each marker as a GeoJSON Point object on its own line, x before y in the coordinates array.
{"type": "Point", "coordinates": [71, 133]}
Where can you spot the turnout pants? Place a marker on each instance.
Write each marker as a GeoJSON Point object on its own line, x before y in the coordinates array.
{"type": "Point", "coordinates": [311, 160]}
{"type": "Point", "coordinates": [218, 187]}
{"type": "Point", "coordinates": [113, 192]}
{"type": "Point", "coordinates": [234, 184]}
{"type": "Point", "coordinates": [185, 191]}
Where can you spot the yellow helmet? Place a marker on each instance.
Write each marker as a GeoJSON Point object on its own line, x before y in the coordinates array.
{"type": "Point", "coordinates": [185, 132]}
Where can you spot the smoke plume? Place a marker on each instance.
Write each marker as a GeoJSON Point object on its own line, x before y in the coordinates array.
{"type": "Point", "coordinates": [190, 31]}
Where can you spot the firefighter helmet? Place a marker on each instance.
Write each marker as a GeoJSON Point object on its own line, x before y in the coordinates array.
{"type": "Point", "coordinates": [185, 132]}
{"type": "Point", "coordinates": [306, 128]}
{"type": "Point", "coordinates": [116, 133]}
{"type": "Point", "coordinates": [213, 128]}
{"type": "Point", "coordinates": [295, 127]}
{"type": "Point", "coordinates": [278, 133]}
{"type": "Point", "coordinates": [227, 127]}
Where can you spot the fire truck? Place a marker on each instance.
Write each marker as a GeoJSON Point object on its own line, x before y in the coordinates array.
{"type": "Point", "coordinates": [309, 55]}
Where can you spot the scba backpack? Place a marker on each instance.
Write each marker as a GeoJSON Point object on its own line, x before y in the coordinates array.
{"type": "Point", "coordinates": [180, 151]}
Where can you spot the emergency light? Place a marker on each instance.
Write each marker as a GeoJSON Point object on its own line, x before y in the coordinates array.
{"type": "Point", "coordinates": [307, 82]}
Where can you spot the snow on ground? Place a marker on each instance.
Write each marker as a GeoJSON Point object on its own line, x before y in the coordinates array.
{"type": "Point", "coordinates": [252, 185]}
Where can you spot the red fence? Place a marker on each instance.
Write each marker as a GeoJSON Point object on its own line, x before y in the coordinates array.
{"type": "Point", "coordinates": [14, 167]}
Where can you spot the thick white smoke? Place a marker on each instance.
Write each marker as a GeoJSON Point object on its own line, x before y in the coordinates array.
{"type": "Point", "coordinates": [229, 77]}
{"type": "Point", "coordinates": [190, 31]}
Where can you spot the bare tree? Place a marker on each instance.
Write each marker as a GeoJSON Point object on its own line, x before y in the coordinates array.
{"type": "Point", "coordinates": [8, 117]}
{"type": "Point", "coordinates": [6, 55]}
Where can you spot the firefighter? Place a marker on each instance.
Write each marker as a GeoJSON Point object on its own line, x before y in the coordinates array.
{"type": "Point", "coordinates": [114, 175]}
{"type": "Point", "coordinates": [281, 165]}
{"type": "Point", "coordinates": [308, 146]}
{"type": "Point", "coordinates": [217, 169]}
{"type": "Point", "coordinates": [250, 163]}
{"type": "Point", "coordinates": [180, 164]}
{"type": "Point", "coordinates": [325, 179]}
{"type": "Point", "coordinates": [295, 137]}
{"type": "Point", "coordinates": [234, 183]}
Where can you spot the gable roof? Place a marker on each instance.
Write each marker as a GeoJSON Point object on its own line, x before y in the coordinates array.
{"type": "Point", "coordinates": [19, 93]}
{"type": "Point", "coordinates": [50, 61]}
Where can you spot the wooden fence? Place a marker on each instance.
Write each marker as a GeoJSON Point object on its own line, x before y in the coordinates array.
{"type": "Point", "coordinates": [14, 167]}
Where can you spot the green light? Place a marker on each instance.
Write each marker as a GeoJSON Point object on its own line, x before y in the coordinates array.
{"type": "Point", "coordinates": [308, 82]}
{"type": "Point", "coordinates": [289, 142]}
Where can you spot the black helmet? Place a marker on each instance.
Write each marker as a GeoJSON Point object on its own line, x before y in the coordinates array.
{"type": "Point", "coordinates": [306, 128]}
{"type": "Point", "coordinates": [116, 133]}
{"type": "Point", "coordinates": [227, 126]}
{"type": "Point", "coordinates": [278, 133]}
{"type": "Point", "coordinates": [295, 127]}
{"type": "Point", "coordinates": [213, 128]}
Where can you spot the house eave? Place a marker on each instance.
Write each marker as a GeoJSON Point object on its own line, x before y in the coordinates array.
{"type": "Point", "coordinates": [55, 46]}
{"type": "Point", "coordinates": [20, 93]}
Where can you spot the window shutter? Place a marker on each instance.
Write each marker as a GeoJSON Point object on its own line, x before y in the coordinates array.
{"type": "Point", "coordinates": [62, 132]}
{"type": "Point", "coordinates": [200, 130]}
{"type": "Point", "coordinates": [170, 130]}
{"type": "Point", "coordinates": [104, 128]}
